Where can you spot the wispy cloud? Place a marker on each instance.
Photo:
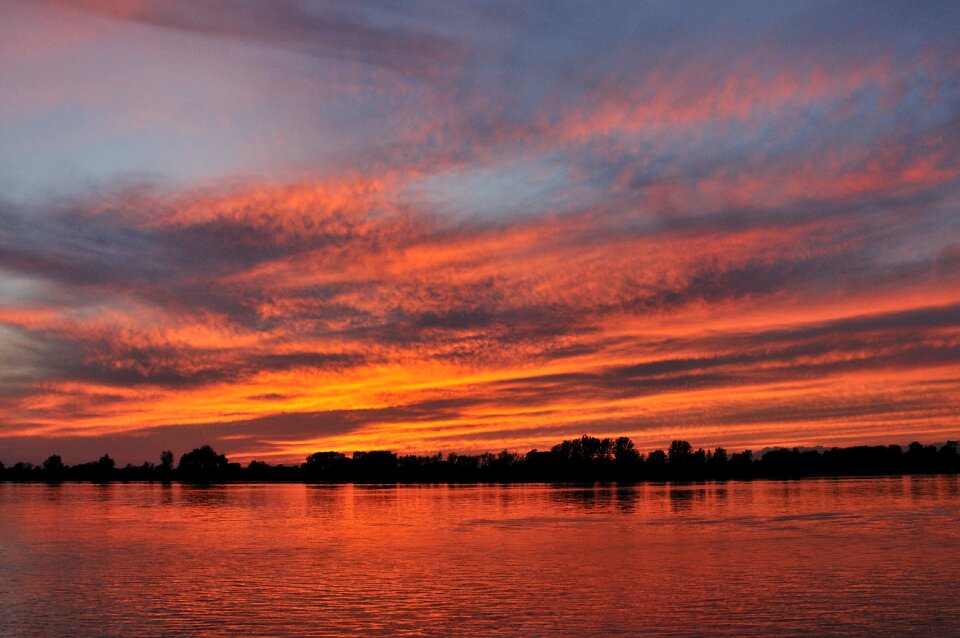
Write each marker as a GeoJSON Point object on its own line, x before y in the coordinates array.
{"type": "Point", "coordinates": [371, 35]}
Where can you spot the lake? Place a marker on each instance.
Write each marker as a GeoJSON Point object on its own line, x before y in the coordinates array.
{"type": "Point", "coordinates": [878, 556]}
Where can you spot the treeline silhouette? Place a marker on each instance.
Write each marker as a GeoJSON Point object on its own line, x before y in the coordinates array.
{"type": "Point", "coordinates": [586, 459]}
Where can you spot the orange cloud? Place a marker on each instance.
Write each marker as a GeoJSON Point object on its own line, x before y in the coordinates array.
{"type": "Point", "coordinates": [372, 327]}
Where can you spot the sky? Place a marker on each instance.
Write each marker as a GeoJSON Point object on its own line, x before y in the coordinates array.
{"type": "Point", "coordinates": [295, 226]}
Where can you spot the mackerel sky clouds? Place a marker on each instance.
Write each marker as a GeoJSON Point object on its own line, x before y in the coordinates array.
{"type": "Point", "coordinates": [290, 226]}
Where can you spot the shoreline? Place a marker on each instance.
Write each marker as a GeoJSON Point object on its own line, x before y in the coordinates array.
{"type": "Point", "coordinates": [578, 484]}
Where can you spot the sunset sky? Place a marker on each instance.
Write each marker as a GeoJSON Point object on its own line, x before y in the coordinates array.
{"type": "Point", "coordinates": [280, 227]}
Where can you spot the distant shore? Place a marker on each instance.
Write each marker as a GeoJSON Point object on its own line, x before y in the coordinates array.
{"type": "Point", "coordinates": [584, 460]}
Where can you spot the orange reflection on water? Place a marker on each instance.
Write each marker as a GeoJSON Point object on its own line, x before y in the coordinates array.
{"type": "Point", "coordinates": [814, 556]}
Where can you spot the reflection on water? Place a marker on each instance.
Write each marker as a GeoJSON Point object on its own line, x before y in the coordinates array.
{"type": "Point", "coordinates": [841, 557]}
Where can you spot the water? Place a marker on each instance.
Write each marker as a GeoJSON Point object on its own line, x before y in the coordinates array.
{"type": "Point", "coordinates": [837, 557]}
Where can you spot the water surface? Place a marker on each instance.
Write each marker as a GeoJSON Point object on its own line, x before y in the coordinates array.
{"type": "Point", "coordinates": [840, 557]}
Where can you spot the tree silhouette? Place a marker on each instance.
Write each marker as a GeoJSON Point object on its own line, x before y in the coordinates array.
{"type": "Point", "coordinates": [53, 468]}
{"type": "Point", "coordinates": [921, 458]}
{"type": "Point", "coordinates": [680, 453]}
{"type": "Point", "coordinates": [327, 466]}
{"type": "Point", "coordinates": [165, 469]}
{"type": "Point", "coordinates": [948, 456]}
{"type": "Point", "coordinates": [626, 459]}
{"type": "Point", "coordinates": [202, 465]}
{"type": "Point", "coordinates": [624, 450]}
{"type": "Point", "coordinates": [584, 459]}
{"type": "Point", "coordinates": [103, 469]}
{"type": "Point", "coordinates": [656, 465]}
{"type": "Point", "coordinates": [378, 466]}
